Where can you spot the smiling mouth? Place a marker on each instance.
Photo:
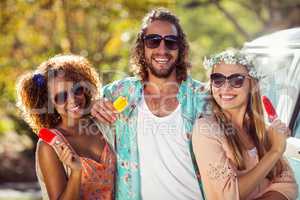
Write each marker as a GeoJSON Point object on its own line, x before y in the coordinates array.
{"type": "Point", "coordinates": [75, 109]}
{"type": "Point", "coordinates": [161, 60]}
{"type": "Point", "coordinates": [227, 97]}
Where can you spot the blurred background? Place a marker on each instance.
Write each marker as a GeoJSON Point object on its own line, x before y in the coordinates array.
{"type": "Point", "coordinates": [104, 31]}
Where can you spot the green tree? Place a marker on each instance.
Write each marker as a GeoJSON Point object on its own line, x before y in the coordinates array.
{"type": "Point", "coordinates": [104, 31]}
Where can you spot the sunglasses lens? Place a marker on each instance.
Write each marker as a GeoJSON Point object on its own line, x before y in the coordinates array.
{"type": "Point", "coordinates": [217, 80]}
{"type": "Point", "coordinates": [236, 80]}
{"type": "Point", "coordinates": [152, 41]}
{"type": "Point", "coordinates": [61, 98]}
{"type": "Point", "coordinates": [78, 91]}
{"type": "Point", "coordinates": [171, 42]}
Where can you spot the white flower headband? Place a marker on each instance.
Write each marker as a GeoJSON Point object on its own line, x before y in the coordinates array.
{"type": "Point", "coordinates": [232, 57]}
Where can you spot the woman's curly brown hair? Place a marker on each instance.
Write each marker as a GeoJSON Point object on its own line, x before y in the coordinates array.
{"type": "Point", "coordinates": [138, 56]}
{"type": "Point", "coordinates": [32, 88]}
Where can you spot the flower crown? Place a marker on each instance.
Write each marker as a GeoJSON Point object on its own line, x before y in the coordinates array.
{"type": "Point", "coordinates": [232, 57]}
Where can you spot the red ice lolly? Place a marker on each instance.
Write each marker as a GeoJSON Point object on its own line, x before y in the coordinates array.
{"type": "Point", "coordinates": [269, 108]}
{"type": "Point", "coordinates": [48, 136]}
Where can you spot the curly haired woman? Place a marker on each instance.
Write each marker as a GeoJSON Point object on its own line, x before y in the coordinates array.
{"type": "Point", "coordinates": [57, 96]}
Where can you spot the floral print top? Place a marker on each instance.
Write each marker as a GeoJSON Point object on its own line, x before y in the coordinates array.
{"type": "Point", "coordinates": [97, 179]}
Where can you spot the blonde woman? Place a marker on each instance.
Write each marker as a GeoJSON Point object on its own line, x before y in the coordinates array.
{"type": "Point", "coordinates": [239, 157]}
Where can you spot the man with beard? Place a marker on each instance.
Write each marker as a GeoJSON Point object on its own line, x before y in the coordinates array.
{"type": "Point", "coordinates": [152, 135]}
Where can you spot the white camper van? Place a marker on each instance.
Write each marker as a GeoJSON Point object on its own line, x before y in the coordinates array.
{"type": "Point", "coordinates": [277, 56]}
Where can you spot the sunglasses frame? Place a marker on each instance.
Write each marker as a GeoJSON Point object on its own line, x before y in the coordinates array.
{"type": "Point", "coordinates": [158, 38]}
{"type": "Point", "coordinates": [230, 79]}
{"type": "Point", "coordinates": [66, 94]}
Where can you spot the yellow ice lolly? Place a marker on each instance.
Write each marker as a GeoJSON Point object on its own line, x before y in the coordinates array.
{"type": "Point", "coordinates": [120, 103]}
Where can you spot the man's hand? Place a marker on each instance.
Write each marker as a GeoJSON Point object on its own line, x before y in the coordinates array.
{"type": "Point", "coordinates": [104, 111]}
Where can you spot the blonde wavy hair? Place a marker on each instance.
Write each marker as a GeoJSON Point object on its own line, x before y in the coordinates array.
{"type": "Point", "coordinates": [32, 95]}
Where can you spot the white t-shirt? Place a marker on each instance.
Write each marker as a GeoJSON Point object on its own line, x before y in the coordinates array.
{"type": "Point", "coordinates": [166, 167]}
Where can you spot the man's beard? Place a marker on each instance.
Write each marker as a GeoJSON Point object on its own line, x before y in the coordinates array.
{"type": "Point", "coordinates": [160, 73]}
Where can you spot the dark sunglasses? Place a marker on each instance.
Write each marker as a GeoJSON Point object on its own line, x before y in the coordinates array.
{"type": "Point", "coordinates": [61, 97]}
{"type": "Point", "coordinates": [152, 41]}
{"type": "Point", "coordinates": [235, 80]}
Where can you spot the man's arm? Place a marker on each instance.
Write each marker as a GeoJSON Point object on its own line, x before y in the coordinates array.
{"type": "Point", "coordinates": [103, 109]}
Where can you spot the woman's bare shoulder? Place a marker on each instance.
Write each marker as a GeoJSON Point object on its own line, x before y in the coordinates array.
{"type": "Point", "coordinates": [46, 154]}
{"type": "Point", "coordinates": [44, 148]}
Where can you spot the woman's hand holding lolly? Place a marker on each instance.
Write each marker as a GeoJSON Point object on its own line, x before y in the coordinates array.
{"type": "Point", "coordinates": [278, 131]}
{"type": "Point", "coordinates": [65, 154]}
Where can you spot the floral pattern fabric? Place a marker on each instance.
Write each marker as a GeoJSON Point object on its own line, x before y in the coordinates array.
{"type": "Point", "coordinates": [122, 135]}
{"type": "Point", "coordinates": [97, 179]}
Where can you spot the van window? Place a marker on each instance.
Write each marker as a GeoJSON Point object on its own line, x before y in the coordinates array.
{"type": "Point", "coordinates": [281, 83]}
{"type": "Point", "coordinates": [296, 128]}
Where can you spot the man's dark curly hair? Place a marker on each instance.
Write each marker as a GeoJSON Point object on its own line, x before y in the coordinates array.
{"type": "Point", "coordinates": [138, 56]}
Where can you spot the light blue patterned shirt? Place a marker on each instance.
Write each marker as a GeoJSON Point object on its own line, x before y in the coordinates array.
{"type": "Point", "coordinates": [122, 135]}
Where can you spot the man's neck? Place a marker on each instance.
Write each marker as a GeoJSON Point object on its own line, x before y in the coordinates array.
{"type": "Point", "coordinates": [162, 86]}
{"type": "Point", "coordinates": [161, 95]}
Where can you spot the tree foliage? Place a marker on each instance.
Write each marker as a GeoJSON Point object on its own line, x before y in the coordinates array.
{"type": "Point", "coordinates": [104, 31]}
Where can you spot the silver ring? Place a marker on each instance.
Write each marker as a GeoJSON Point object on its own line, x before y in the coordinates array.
{"type": "Point", "coordinates": [57, 142]}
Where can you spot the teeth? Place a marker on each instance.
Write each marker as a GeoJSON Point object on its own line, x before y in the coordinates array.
{"type": "Point", "coordinates": [74, 109]}
{"type": "Point", "coordinates": [161, 60]}
{"type": "Point", "coordinates": [227, 97]}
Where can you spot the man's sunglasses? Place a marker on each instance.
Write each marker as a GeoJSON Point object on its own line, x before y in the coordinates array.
{"type": "Point", "coordinates": [235, 80]}
{"type": "Point", "coordinates": [152, 41]}
{"type": "Point", "coordinates": [61, 97]}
